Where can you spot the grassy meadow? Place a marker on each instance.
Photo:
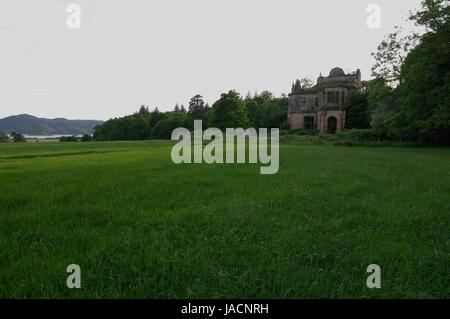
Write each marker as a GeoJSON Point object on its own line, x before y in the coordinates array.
{"type": "Point", "coordinates": [140, 226]}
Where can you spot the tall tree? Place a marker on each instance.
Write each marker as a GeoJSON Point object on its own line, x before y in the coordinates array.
{"type": "Point", "coordinates": [419, 107]}
{"type": "Point", "coordinates": [357, 113]}
{"type": "Point", "coordinates": [424, 91]}
{"type": "Point", "coordinates": [197, 110]}
{"type": "Point", "coordinates": [17, 137]}
{"type": "Point", "coordinates": [229, 112]}
{"type": "Point", "coordinates": [155, 116]}
{"type": "Point", "coordinates": [306, 83]}
{"type": "Point", "coordinates": [390, 55]}
{"type": "Point", "coordinates": [3, 137]}
{"type": "Point", "coordinates": [393, 50]}
{"type": "Point", "coordinates": [143, 109]}
{"type": "Point", "coordinates": [434, 14]}
{"type": "Point", "coordinates": [296, 87]}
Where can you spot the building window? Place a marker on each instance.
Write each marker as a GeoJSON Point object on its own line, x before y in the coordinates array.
{"type": "Point", "coordinates": [303, 101]}
{"type": "Point", "coordinates": [316, 101]}
{"type": "Point", "coordinates": [308, 122]}
{"type": "Point", "coordinates": [333, 97]}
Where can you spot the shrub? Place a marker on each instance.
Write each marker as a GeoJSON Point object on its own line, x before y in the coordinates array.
{"type": "Point", "coordinates": [301, 131]}
{"type": "Point", "coordinates": [17, 137]}
{"type": "Point", "coordinates": [68, 139]}
{"type": "Point", "coordinates": [357, 135]}
{"type": "Point", "coordinates": [86, 138]}
{"type": "Point", "coordinates": [3, 137]}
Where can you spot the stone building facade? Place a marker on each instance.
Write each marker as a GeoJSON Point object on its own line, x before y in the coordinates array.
{"type": "Point", "coordinates": [322, 107]}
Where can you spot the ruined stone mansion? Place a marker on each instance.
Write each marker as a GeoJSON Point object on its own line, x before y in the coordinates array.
{"type": "Point", "coordinates": [322, 107]}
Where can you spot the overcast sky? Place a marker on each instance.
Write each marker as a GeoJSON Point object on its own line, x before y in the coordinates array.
{"type": "Point", "coordinates": [162, 52]}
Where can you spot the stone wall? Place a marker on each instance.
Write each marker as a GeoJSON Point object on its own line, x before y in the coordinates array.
{"type": "Point", "coordinates": [323, 116]}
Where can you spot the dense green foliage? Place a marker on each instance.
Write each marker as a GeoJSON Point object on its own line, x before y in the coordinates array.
{"type": "Point", "coordinates": [301, 85]}
{"type": "Point", "coordinates": [358, 135]}
{"type": "Point", "coordinates": [69, 139]}
{"type": "Point", "coordinates": [229, 111]}
{"type": "Point", "coordinates": [3, 137]}
{"type": "Point", "coordinates": [266, 111]}
{"type": "Point", "coordinates": [198, 110]}
{"type": "Point", "coordinates": [86, 138]}
{"type": "Point", "coordinates": [357, 114]}
{"type": "Point", "coordinates": [169, 122]}
{"type": "Point", "coordinates": [132, 127]}
{"type": "Point", "coordinates": [140, 126]}
{"type": "Point", "coordinates": [17, 137]}
{"type": "Point", "coordinates": [140, 226]}
{"type": "Point", "coordinates": [423, 108]}
{"type": "Point", "coordinates": [418, 108]}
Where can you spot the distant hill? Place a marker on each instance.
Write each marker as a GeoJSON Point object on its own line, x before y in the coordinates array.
{"type": "Point", "coordinates": [28, 124]}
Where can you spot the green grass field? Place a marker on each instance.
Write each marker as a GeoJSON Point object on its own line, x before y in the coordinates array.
{"type": "Point", "coordinates": [140, 226]}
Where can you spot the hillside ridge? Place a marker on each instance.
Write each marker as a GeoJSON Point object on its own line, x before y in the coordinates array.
{"type": "Point", "coordinates": [32, 125]}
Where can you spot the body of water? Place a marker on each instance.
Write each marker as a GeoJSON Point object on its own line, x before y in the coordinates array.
{"type": "Point", "coordinates": [47, 137]}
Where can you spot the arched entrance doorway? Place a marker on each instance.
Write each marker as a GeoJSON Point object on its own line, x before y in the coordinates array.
{"type": "Point", "coordinates": [331, 125]}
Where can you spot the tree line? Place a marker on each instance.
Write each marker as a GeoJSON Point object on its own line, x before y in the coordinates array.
{"type": "Point", "coordinates": [13, 137]}
{"type": "Point", "coordinates": [231, 110]}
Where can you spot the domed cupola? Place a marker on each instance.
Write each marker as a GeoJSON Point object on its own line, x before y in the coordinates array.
{"type": "Point", "coordinates": [336, 72]}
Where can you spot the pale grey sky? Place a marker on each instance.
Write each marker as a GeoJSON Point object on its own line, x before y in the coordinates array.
{"type": "Point", "coordinates": [162, 52]}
